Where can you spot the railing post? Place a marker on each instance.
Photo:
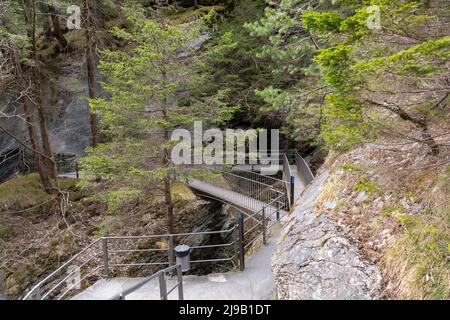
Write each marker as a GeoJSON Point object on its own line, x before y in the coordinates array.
{"type": "Point", "coordinates": [264, 226]}
{"type": "Point", "coordinates": [2, 285]}
{"type": "Point", "coordinates": [105, 257]}
{"type": "Point", "coordinates": [162, 286]}
{"type": "Point", "coordinates": [292, 190]}
{"type": "Point", "coordinates": [77, 170]}
{"type": "Point", "coordinates": [180, 283]}
{"type": "Point", "coordinates": [171, 251]}
{"type": "Point", "coordinates": [240, 217]}
{"type": "Point", "coordinates": [278, 210]}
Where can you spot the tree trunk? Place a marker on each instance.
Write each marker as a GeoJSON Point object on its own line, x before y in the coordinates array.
{"type": "Point", "coordinates": [169, 205]}
{"type": "Point", "coordinates": [46, 142]}
{"type": "Point", "coordinates": [166, 162]}
{"type": "Point", "coordinates": [90, 63]}
{"type": "Point", "coordinates": [43, 173]}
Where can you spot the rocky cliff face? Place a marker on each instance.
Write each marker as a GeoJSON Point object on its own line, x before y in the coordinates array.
{"type": "Point", "coordinates": [315, 259]}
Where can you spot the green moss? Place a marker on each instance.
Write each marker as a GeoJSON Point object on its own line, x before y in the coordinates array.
{"type": "Point", "coordinates": [180, 191]}
{"type": "Point", "coordinates": [26, 191]}
{"type": "Point", "coordinates": [366, 186]}
{"type": "Point", "coordinates": [351, 168]}
{"type": "Point", "coordinates": [192, 14]}
{"type": "Point", "coordinates": [22, 192]}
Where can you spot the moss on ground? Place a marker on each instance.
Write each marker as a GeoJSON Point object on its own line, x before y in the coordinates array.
{"type": "Point", "coordinates": [26, 191]}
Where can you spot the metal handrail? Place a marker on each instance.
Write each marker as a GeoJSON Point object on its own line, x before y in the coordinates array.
{"type": "Point", "coordinates": [287, 178]}
{"type": "Point", "coordinates": [164, 293]}
{"type": "Point", "coordinates": [50, 277]}
{"type": "Point", "coordinates": [42, 282]}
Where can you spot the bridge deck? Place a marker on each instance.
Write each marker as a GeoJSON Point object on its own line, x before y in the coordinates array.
{"type": "Point", "coordinates": [232, 197]}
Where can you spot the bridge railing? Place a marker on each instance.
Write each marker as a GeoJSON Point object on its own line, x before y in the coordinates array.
{"type": "Point", "coordinates": [244, 190]}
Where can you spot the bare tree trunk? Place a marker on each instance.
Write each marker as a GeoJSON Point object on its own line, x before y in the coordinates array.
{"type": "Point", "coordinates": [166, 161]}
{"type": "Point", "coordinates": [46, 142]}
{"type": "Point", "coordinates": [91, 72]}
{"type": "Point", "coordinates": [49, 162]}
{"type": "Point", "coordinates": [169, 205]}
{"type": "Point", "coordinates": [43, 173]}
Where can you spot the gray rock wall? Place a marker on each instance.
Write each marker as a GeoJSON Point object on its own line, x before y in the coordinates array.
{"type": "Point", "coordinates": [315, 261]}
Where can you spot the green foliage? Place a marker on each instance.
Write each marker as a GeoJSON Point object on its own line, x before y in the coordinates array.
{"type": "Point", "coordinates": [322, 21]}
{"type": "Point", "coordinates": [353, 62]}
{"type": "Point", "coordinates": [366, 186]}
{"type": "Point", "coordinates": [293, 78]}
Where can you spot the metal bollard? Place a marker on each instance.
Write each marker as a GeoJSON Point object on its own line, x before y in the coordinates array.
{"type": "Point", "coordinates": [182, 253]}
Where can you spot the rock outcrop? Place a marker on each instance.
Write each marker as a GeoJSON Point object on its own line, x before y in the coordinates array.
{"type": "Point", "coordinates": [315, 260]}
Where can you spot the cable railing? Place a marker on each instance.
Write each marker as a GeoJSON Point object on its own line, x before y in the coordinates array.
{"type": "Point", "coordinates": [162, 278]}
{"type": "Point", "coordinates": [248, 193]}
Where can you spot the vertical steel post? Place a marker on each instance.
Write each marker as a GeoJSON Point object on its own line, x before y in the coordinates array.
{"type": "Point", "coordinates": [171, 251]}
{"type": "Point", "coordinates": [162, 286]}
{"type": "Point", "coordinates": [105, 257]}
{"type": "Point", "coordinates": [292, 190]}
{"type": "Point", "coordinates": [77, 170]}
{"type": "Point", "coordinates": [240, 217]}
{"type": "Point", "coordinates": [2, 285]}
{"type": "Point", "coordinates": [264, 225]}
{"type": "Point", "coordinates": [180, 283]}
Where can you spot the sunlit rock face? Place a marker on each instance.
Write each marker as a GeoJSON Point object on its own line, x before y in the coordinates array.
{"type": "Point", "coordinates": [316, 261]}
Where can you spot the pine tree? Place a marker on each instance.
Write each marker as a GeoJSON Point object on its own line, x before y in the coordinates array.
{"type": "Point", "coordinates": [149, 86]}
